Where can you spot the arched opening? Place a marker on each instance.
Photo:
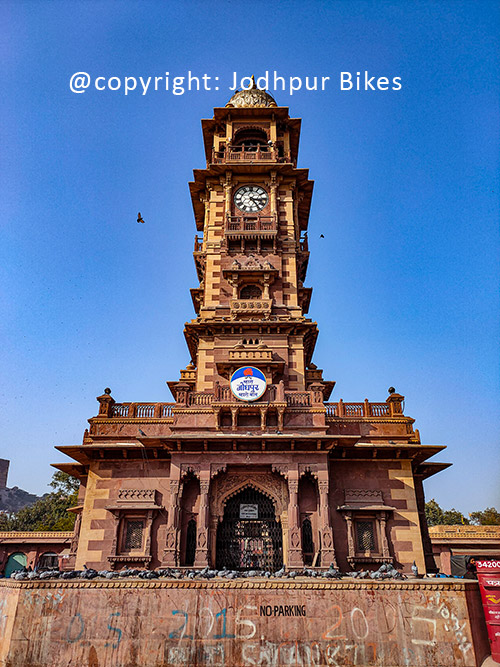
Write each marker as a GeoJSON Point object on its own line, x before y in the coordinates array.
{"type": "Point", "coordinates": [190, 506]}
{"type": "Point", "coordinates": [250, 292]}
{"type": "Point", "coordinates": [190, 542]}
{"type": "Point", "coordinates": [251, 139]}
{"type": "Point", "coordinates": [309, 519]}
{"type": "Point", "coordinates": [307, 541]}
{"type": "Point", "coordinates": [249, 537]}
{"type": "Point", "coordinates": [15, 562]}
{"type": "Point", "coordinates": [48, 561]}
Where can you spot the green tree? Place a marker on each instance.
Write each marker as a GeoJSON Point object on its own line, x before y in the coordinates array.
{"type": "Point", "coordinates": [488, 517]}
{"type": "Point", "coordinates": [436, 516]}
{"type": "Point", "coordinates": [433, 513]}
{"type": "Point", "coordinates": [50, 512]}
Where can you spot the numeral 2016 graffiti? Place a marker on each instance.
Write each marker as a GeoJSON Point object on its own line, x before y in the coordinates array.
{"type": "Point", "coordinates": [180, 632]}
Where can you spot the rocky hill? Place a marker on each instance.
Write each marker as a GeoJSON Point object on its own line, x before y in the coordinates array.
{"type": "Point", "coordinates": [14, 499]}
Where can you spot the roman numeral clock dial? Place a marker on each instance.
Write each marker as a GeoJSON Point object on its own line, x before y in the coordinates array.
{"type": "Point", "coordinates": [250, 198]}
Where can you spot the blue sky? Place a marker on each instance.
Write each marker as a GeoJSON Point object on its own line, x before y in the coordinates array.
{"type": "Point", "coordinates": [406, 195]}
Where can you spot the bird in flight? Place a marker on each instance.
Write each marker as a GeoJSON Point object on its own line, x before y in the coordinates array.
{"type": "Point", "coordinates": [321, 236]}
{"type": "Point", "coordinates": [139, 217]}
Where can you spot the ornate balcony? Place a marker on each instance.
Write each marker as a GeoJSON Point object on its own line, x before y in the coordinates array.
{"type": "Point", "coordinates": [246, 225]}
{"type": "Point", "coordinates": [238, 154]}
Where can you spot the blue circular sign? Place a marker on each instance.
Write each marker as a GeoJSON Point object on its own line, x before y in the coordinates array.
{"type": "Point", "coordinates": [248, 383]}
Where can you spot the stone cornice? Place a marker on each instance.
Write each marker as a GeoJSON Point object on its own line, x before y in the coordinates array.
{"type": "Point", "coordinates": [36, 534]}
{"type": "Point", "coordinates": [269, 584]}
{"type": "Point", "coordinates": [132, 420]}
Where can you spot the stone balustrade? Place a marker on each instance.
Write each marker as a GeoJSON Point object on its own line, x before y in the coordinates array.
{"type": "Point", "coordinates": [142, 410]}
{"type": "Point", "coordinates": [293, 399]}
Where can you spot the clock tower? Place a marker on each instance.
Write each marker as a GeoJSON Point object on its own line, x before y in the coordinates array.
{"type": "Point", "coordinates": [251, 466]}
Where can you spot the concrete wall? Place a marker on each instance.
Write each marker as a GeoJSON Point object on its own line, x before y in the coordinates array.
{"type": "Point", "coordinates": [122, 623]}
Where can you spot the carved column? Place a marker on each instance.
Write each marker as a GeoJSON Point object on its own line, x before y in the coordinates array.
{"type": "Point", "coordinates": [201, 559]}
{"type": "Point", "coordinates": [116, 534]}
{"type": "Point", "coordinates": [263, 413]}
{"type": "Point", "coordinates": [281, 413]}
{"type": "Point", "coordinates": [170, 553]}
{"type": "Point", "coordinates": [383, 535]}
{"type": "Point", "coordinates": [234, 418]}
{"type": "Point", "coordinates": [76, 534]}
{"type": "Point", "coordinates": [294, 542]}
{"type": "Point", "coordinates": [214, 523]}
{"type": "Point", "coordinates": [227, 191]}
{"type": "Point", "coordinates": [274, 194]}
{"type": "Point", "coordinates": [327, 545]}
{"type": "Point", "coordinates": [351, 551]}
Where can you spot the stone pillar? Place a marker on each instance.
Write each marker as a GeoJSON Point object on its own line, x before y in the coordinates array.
{"type": "Point", "coordinates": [263, 413]}
{"type": "Point", "coordinates": [383, 535]}
{"type": "Point", "coordinates": [294, 542]}
{"type": "Point", "coordinates": [171, 553]}
{"type": "Point", "coordinates": [267, 282]}
{"type": "Point", "coordinates": [274, 194]}
{"type": "Point", "coordinates": [281, 413]}
{"type": "Point", "coordinates": [214, 523]}
{"type": "Point", "coordinates": [201, 558]}
{"type": "Point", "coordinates": [106, 402]}
{"type": "Point", "coordinates": [351, 551]}
{"type": "Point", "coordinates": [327, 545]}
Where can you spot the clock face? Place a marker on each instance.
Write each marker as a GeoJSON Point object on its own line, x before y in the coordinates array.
{"type": "Point", "coordinates": [250, 198]}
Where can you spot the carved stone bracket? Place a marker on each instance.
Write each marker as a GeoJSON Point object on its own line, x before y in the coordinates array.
{"type": "Point", "coordinates": [216, 468]}
{"type": "Point", "coordinates": [281, 469]}
{"type": "Point", "coordinates": [194, 468]}
{"type": "Point", "coordinates": [311, 468]}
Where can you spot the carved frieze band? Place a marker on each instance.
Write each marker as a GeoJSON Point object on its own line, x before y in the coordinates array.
{"type": "Point", "coordinates": [136, 494]}
{"type": "Point", "coordinates": [287, 584]}
{"type": "Point", "coordinates": [363, 495]}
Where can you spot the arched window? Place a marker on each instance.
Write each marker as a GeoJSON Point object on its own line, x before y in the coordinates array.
{"type": "Point", "coordinates": [15, 563]}
{"type": "Point", "coordinates": [250, 292]}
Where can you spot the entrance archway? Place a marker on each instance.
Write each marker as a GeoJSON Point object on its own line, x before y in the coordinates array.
{"type": "Point", "coordinates": [15, 562]}
{"type": "Point", "coordinates": [249, 537]}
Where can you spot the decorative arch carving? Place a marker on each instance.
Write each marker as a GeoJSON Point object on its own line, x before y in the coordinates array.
{"type": "Point", "coordinates": [248, 128]}
{"type": "Point", "coordinates": [268, 484]}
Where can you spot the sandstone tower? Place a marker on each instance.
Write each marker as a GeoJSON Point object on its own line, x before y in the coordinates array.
{"type": "Point", "coordinates": [261, 471]}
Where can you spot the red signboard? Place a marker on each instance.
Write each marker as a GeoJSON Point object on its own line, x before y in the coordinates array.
{"type": "Point", "coordinates": [488, 573]}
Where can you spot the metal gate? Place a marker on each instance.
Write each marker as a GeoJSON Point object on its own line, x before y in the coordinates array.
{"type": "Point", "coordinates": [249, 537]}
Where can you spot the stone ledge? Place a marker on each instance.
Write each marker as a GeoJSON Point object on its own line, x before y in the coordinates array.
{"type": "Point", "coordinates": [351, 584]}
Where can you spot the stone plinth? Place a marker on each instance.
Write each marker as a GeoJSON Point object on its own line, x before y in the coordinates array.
{"type": "Point", "coordinates": [431, 623]}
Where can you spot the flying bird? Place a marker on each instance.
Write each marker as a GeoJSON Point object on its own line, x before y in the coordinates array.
{"type": "Point", "coordinates": [321, 236]}
{"type": "Point", "coordinates": [139, 217]}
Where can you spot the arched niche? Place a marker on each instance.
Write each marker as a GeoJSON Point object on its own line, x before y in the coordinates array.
{"type": "Point", "coordinates": [190, 507]}
{"type": "Point", "coordinates": [309, 518]}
